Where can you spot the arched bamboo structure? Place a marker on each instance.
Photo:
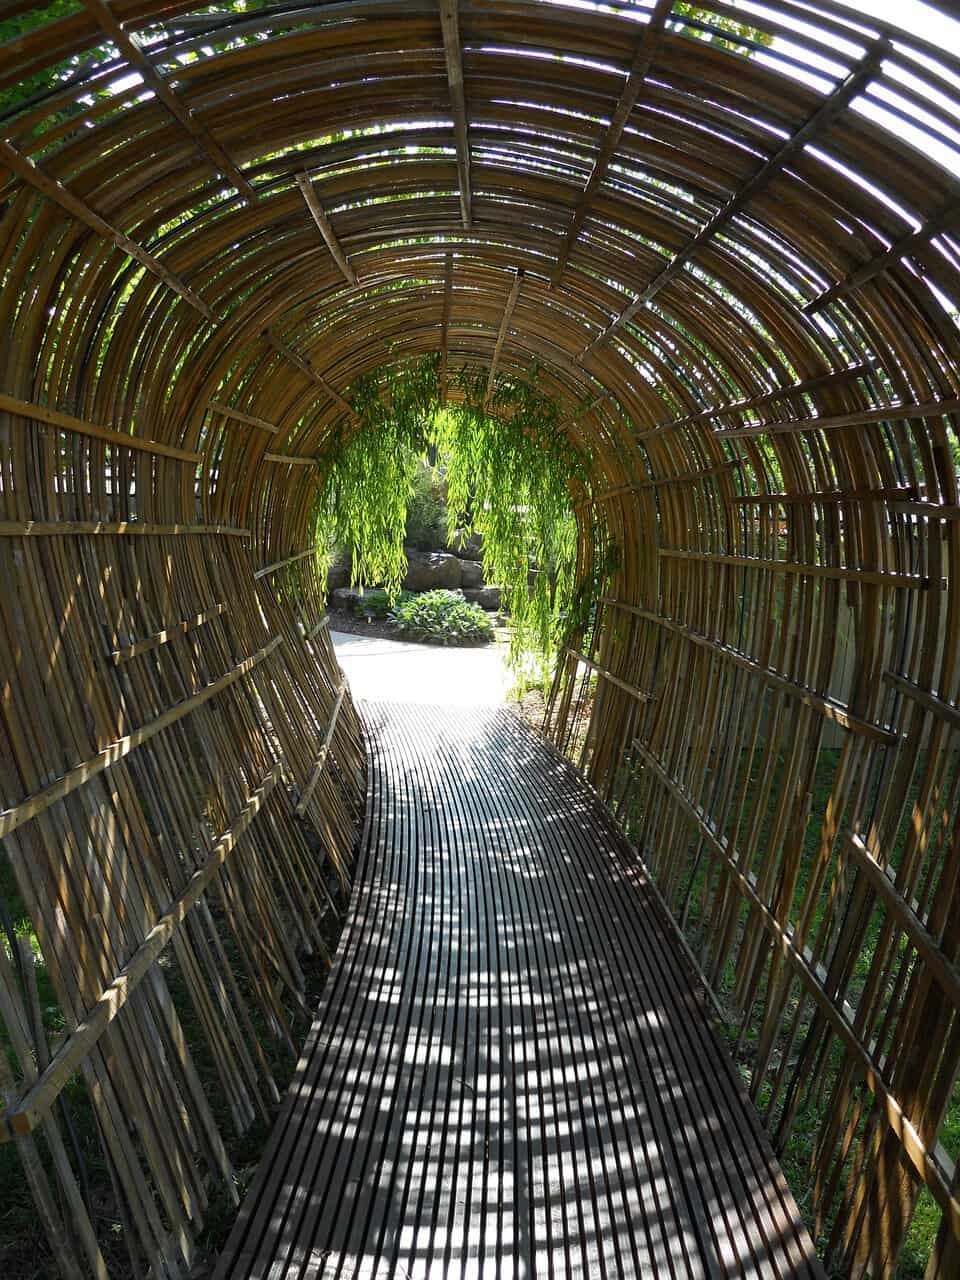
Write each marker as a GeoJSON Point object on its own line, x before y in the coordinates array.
{"type": "Point", "coordinates": [739, 274]}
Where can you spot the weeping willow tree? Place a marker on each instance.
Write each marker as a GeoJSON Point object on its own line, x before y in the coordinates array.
{"type": "Point", "coordinates": [511, 475]}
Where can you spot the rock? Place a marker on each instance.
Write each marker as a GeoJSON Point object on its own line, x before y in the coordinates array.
{"type": "Point", "coordinates": [486, 597]}
{"type": "Point", "coordinates": [344, 598]}
{"type": "Point", "coordinates": [427, 570]}
{"type": "Point", "coordinates": [338, 575]}
{"type": "Point", "coordinates": [467, 547]}
{"type": "Point", "coordinates": [471, 572]}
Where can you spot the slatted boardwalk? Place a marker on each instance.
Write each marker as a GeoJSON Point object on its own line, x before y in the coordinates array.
{"type": "Point", "coordinates": [510, 1073]}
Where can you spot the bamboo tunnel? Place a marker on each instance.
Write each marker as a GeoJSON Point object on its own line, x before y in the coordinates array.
{"type": "Point", "coordinates": [726, 237]}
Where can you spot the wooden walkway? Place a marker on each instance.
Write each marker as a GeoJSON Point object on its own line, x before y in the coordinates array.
{"type": "Point", "coordinates": [510, 1074]}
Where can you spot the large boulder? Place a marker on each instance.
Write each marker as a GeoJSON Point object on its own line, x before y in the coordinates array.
{"type": "Point", "coordinates": [427, 570]}
{"type": "Point", "coordinates": [486, 597]}
{"type": "Point", "coordinates": [338, 575]}
{"type": "Point", "coordinates": [466, 546]}
{"type": "Point", "coordinates": [471, 573]}
{"type": "Point", "coordinates": [344, 598]}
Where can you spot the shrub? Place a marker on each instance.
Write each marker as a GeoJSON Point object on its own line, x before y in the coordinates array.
{"type": "Point", "coordinates": [443, 617]}
{"type": "Point", "coordinates": [375, 603]}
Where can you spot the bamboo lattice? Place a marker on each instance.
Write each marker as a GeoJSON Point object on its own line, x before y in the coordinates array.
{"type": "Point", "coordinates": [734, 261]}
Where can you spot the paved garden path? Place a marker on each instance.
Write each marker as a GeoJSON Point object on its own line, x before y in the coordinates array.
{"type": "Point", "coordinates": [395, 671]}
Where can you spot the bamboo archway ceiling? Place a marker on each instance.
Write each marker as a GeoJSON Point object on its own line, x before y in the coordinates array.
{"type": "Point", "coordinates": [736, 265]}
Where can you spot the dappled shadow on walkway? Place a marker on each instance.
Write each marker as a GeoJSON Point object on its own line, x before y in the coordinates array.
{"type": "Point", "coordinates": [511, 1073]}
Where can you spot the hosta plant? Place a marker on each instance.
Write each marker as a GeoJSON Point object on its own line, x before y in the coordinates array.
{"type": "Point", "coordinates": [443, 617]}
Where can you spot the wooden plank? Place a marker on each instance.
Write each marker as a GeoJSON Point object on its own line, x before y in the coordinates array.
{"type": "Point", "coordinates": [805, 386]}
{"type": "Point", "coordinates": [943, 969]}
{"type": "Point", "coordinates": [630, 689]}
{"type": "Point", "coordinates": [495, 898]}
{"type": "Point", "coordinates": [115, 529]}
{"type": "Point", "coordinates": [861, 418]}
{"type": "Point", "coordinates": [118, 656]}
{"type": "Point", "coordinates": [445, 324]}
{"type": "Point", "coordinates": [683, 477]}
{"type": "Point", "coordinates": [308, 371]}
{"type": "Point", "coordinates": [939, 707]}
{"type": "Point", "coordinates": [292, 459]}
{"type": "Point", "coordinates": [945, 220]}
{"type": "Point", "coordinates": [827, 707]}
{"type": "Point", "coordinates": [282, 564]}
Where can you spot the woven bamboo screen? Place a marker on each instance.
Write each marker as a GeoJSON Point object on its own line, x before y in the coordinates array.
{"type": "Point", "coordinates": [740, 277]}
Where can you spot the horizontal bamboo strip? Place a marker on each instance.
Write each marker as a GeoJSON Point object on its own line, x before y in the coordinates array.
{"type": "Point", "coordinates": [236, 415]}
{"type": "Point", "coordinates": [945, 971]}
{"type": "Point", "coordinates": [925, 1162]}
{"type": "Point", "coordinates": [641, 486]}
{"type": "Point", "coordinates": [25, 1116]}
{"type": "Point", "coordinates": [307, 794]}
{"type": "Point", "coordinates": [807, 496]}
{"type": "Point", "coordinates": [632, 690]}
{"type": "Point", "coordinates": [28, 172]}
{"type": "Point", "coordinates": [945, 710]}
{"type": "Point", "coordinates": [40, 801]}
{"type": "Point", "coordinates": [66, 421]}
{"type": "Point", "coordinates": [281, 564]}
{"type": "Point", "coordinates": [776, 680]}
{"type": "Point", "coordinates": [898, 499]}
{"type": "Point", "coordinates": [872, 577]}
{"type": "Point", "coordinates": [862, 418]}
{"type": "Point", "coordinates": [166, 635]}
{"type": "Point", "coordinates": [118, 529]}
{"type": "Point", "coordinates": [804, 387]}
{"type": "Point", "coordinates": [293, 459]}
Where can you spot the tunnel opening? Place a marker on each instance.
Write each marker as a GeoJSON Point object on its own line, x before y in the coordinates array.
{"type": "Point", "coordinates": [720, 243]}
{"type": "Point", "coordinates": [502, 473]}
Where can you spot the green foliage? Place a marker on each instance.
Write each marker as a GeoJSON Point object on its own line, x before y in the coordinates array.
{"type": "Point", "coordinates": [511, 475]}
{"type": "Point", "coordinates": [37, 84]}
{"type": "Point", "coordinates": [427, 518]}
{"type": "Point", "coordinates": [376, 603]}
{"type": "Point", "coordinates": [720, 30]}
{"type": "Point", "coordinates": [443, 617]}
